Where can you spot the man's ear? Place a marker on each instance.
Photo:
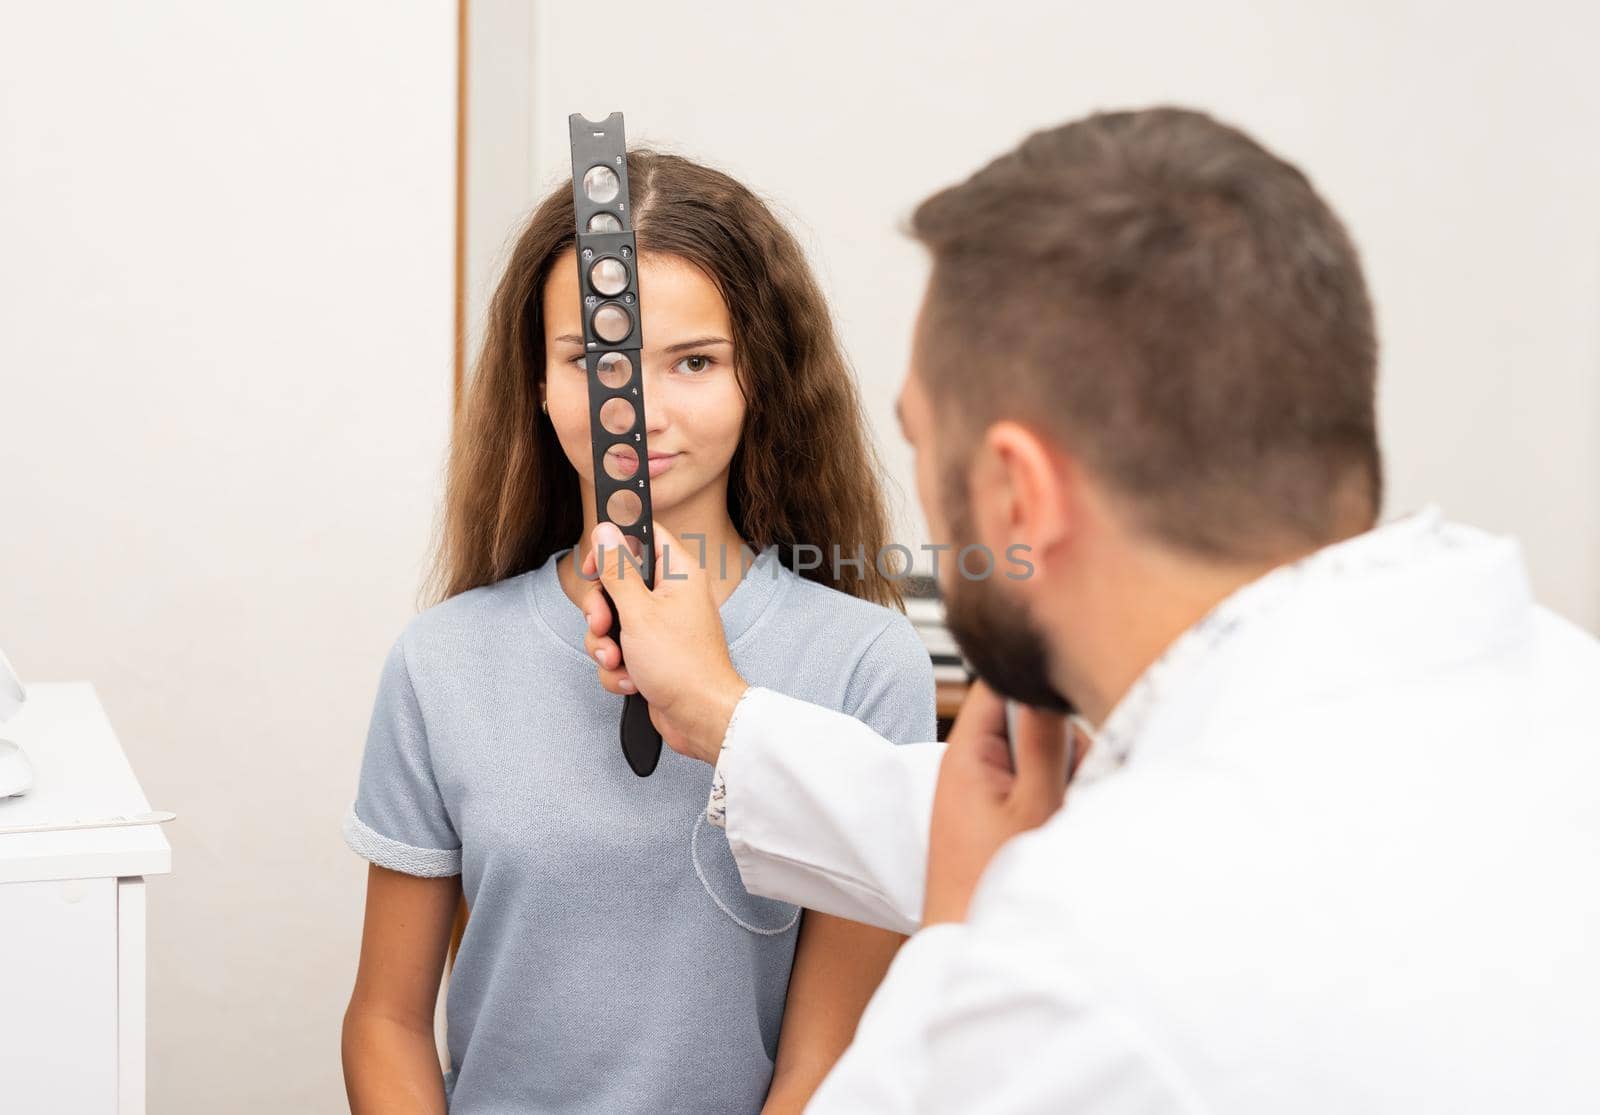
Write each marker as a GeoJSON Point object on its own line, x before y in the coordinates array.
{"type": "Point", "coordinates": [1020, 492]}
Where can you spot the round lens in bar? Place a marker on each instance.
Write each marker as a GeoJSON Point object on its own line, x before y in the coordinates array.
{"type": "Point", "coordinates": [622, 461]}
{"type": "Point", "coordinates": [600, 185]}
{"type": "Point", "coordinates": [616, 416]}
{"type": "Point", "coordinates": [624, 508]}
{"type": "Point", "coordinates": [609, 276]}
{"type": "Point", "coordinates": [614, 369]}
{"type": "Point", "coordinates": [612, 323]}
{"type": "Point", "coordinates": [604, 222]}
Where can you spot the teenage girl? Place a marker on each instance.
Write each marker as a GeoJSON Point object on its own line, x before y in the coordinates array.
{"type": "Point", "coordinates": [613, 961]}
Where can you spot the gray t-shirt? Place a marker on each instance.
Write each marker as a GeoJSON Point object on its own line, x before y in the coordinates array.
{"type": "Point", "coordinates": [613, 961]}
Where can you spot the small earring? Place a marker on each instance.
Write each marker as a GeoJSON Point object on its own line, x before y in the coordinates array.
{"type": "Point", "coordinates": [545, 406]}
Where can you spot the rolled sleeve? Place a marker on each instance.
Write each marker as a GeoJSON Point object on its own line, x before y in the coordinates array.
{"type": "Point", "coordinates": [398, 819]}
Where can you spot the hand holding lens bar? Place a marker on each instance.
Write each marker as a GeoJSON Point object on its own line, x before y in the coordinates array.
{"type": "Point", "coordinates": [608, 285]}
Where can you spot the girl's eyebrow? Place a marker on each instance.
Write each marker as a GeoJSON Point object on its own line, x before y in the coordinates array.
{"type": "Point", "coordinates": [681, 346]}
{"type": "Point", "coordinates": [698, 342]}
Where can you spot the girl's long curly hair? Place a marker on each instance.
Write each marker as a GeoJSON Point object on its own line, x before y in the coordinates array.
{"type": "Point", "coordinates": [805, 472]}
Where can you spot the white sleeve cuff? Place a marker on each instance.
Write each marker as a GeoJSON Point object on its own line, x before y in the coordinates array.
{"type": "Point", "coordinates": [824, 813]}
{"type": "Point", "coordinates": [369, 844]}
{"type": "Point", "coordinates": [717, 805]}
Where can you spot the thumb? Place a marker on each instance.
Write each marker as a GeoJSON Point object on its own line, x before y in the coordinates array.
{"type": "Point", "coordinates": [982, 717]}
{"type": "Point", "coordinates": [676, 564]}
{"type": "Point", "coordinates": [620, 573]}
{"type": "Point", "coordinates": [1041, 750]}
{"type": "Point", "coordinates": [978, 737]}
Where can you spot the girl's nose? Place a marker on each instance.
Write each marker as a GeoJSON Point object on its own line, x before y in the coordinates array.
{"type": "Point", "coordinates": [657, 405]}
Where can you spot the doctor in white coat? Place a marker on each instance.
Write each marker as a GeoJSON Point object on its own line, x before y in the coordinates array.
{"type": "Point", "coordinates": [1333, 842]}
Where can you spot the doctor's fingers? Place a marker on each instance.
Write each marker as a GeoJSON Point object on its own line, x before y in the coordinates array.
{"type": "Point", "coordinates": [602, 648]}
{"type": "Point", "coordinates": [608, 660]}
{"type": "Point", "coordinates": [613, 675]}
{"type": "Point", "coordinates": [597, 613]}
{"type": "Point", "coordinates": [618, 682]}
{"type": "Point", "coordinates": [619, 574]}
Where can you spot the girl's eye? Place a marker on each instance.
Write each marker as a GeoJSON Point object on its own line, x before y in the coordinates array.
{"type": "Point", "coordinates": [694, 365]}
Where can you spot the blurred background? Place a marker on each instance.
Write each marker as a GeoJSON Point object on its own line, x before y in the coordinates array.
{"type": "Point", "coordinates": [245, 249]}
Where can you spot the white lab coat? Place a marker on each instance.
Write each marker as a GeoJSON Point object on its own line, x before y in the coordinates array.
{"type": "Point", "coordinates": [1336, 852]}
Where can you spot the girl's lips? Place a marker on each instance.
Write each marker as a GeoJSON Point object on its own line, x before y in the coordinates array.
{"type": "Point", "coordinates": [623, 459]}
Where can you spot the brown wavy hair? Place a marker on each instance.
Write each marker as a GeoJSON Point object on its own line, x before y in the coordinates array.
{"type": "Point", "coordinates": [804, 473]}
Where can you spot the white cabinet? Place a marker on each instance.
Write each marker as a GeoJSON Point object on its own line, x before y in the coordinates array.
{"type": "Point", "coordinates": [72, 916]}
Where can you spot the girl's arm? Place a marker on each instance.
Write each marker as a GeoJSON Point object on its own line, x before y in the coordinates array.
{"type": "Point", "coordinates": [391, 1064]}
{"type": "Point", "coordinates": [838, 964]}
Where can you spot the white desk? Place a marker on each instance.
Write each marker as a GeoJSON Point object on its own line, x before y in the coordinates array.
{"type": "Point", "coordinates": [72, 916]}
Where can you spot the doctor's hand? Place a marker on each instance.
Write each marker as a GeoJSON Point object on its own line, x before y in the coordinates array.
{"type": "Point", "coordinates": [673, 648]}
{"type": "Point", "coordinates": [979, 804]}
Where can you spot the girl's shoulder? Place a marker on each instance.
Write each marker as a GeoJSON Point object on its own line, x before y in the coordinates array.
{"type": "Point", "coordinates": [821, 615]}
{"type": "Point", "coordinates": [831, 648]}
{"type": "Point", "coordinates": [470, 623]}
{"type": "Point", "coordinates": [807, 597]}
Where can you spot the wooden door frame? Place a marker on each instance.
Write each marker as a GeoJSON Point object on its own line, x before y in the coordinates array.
{"type": "Point", "coordinates": [460, 312]}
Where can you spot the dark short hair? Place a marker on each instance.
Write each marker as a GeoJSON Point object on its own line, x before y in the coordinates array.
{"type": "Point", "coordinates": [1178, 307]}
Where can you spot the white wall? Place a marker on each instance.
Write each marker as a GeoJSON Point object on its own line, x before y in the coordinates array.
{"type": "Point", "coordinates": [225, 344]}
{"type": "Point", "coordinates": [1460, 144]}
{"type": "Point", "coordinates": [501, 181]}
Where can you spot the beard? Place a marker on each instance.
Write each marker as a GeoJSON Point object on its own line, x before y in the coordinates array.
{"type": "Point", "coordinates": [994, 633]}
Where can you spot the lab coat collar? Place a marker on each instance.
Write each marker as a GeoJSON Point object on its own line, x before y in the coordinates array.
{"type": "Point", "coordinates": [1395, 600]}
